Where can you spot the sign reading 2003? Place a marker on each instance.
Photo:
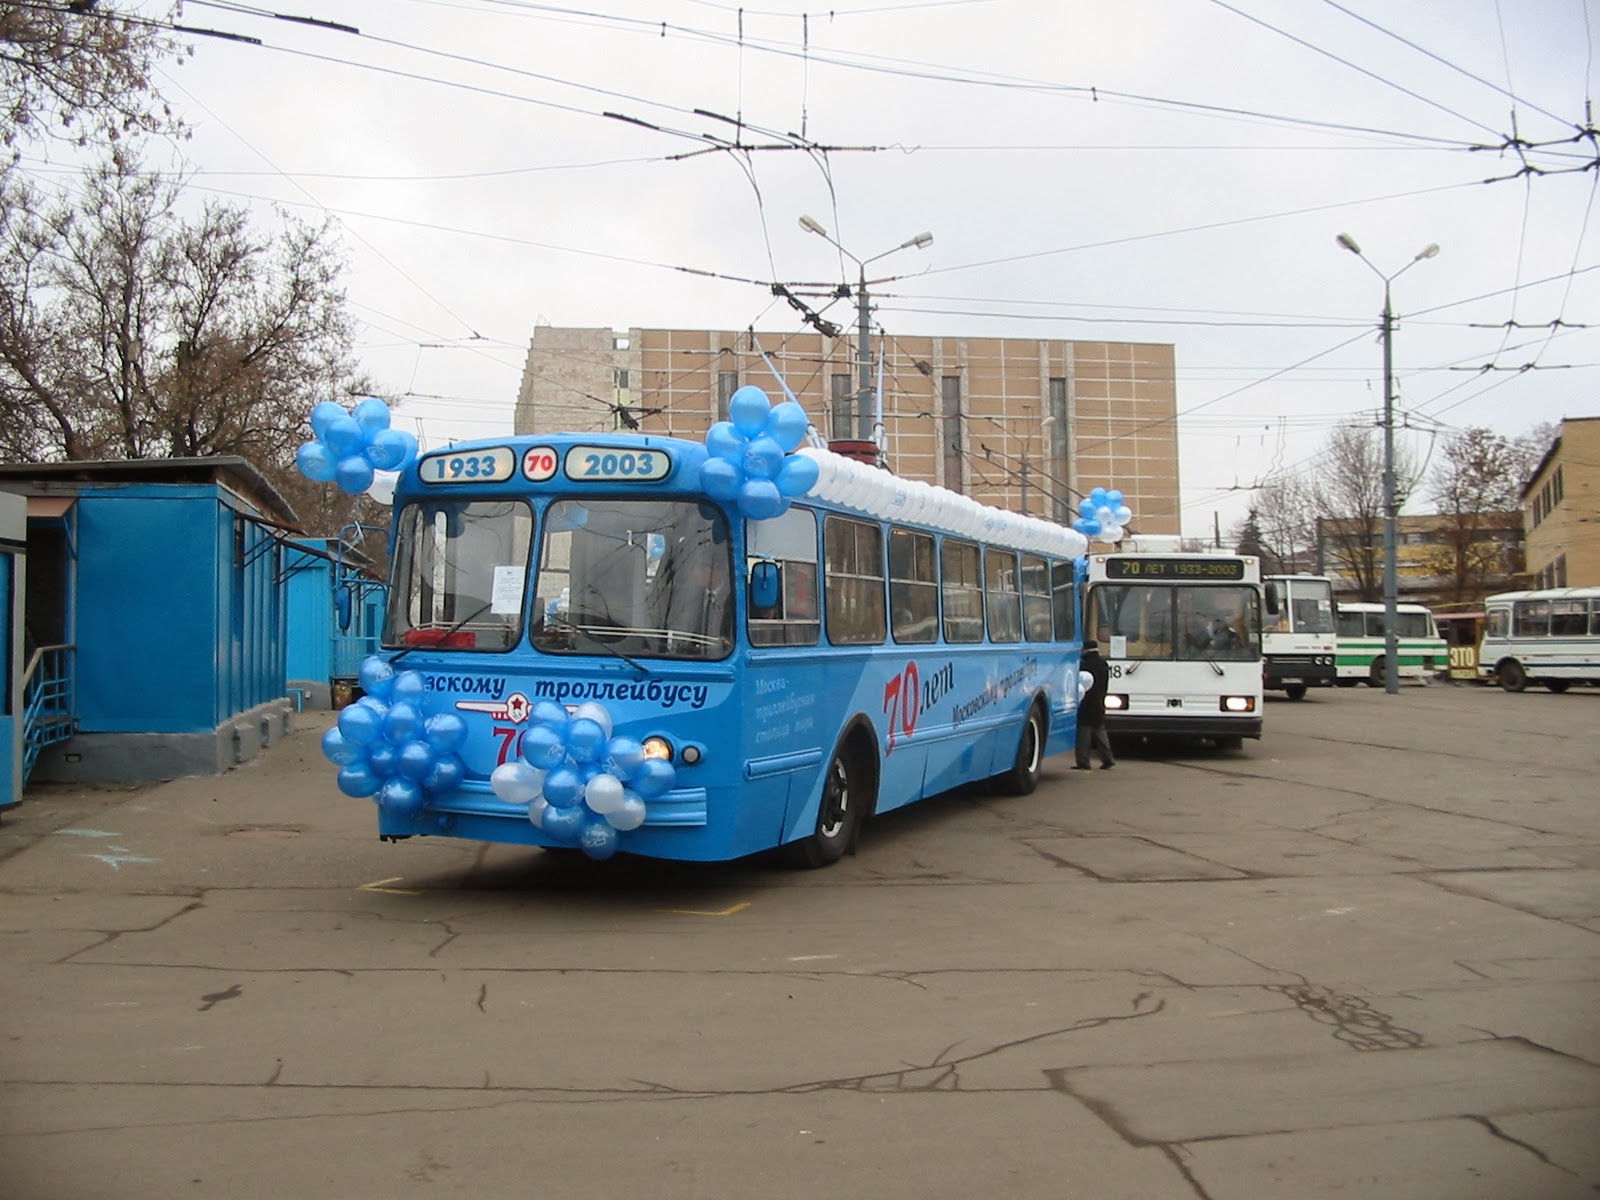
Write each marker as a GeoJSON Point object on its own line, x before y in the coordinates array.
{"type": "Point", "coordinates": [1175, 568]}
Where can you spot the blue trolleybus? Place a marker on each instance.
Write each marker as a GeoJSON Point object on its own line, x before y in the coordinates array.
{"type": "Point", "coordinates": [880, 641]}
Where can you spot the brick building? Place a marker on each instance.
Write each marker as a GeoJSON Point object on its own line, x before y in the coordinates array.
{"type": "Point", "coordinates": [1561, 508]}
{"type": "Point", "coordinates": [1027, 424]}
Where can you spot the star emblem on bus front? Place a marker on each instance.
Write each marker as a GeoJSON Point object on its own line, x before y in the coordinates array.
{"type": "Point", "coordinates": [514, 708]}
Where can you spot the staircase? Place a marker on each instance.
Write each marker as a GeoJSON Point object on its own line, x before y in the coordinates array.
{"type": "Point", "coordinates": [47, 703]}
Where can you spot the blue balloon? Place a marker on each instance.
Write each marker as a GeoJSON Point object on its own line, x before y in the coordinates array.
{"type": "Point", "coordinates": [353, 474]}
{"type": "Point", "coordinates": [384, 758]}
{"type": "Point", "coordinates": [372, 415]}
{"type": "Point", "coordinates": [564, 823]}
{"type": "Point", "coordinates": [763, 458]}
{"type": "Point", "coordinates": [725, 442]}
{"type": "Point", "coordinates": [586, 739]}
{"type": "Point", "coordinates": [361, 724]}
{"type": "Point", "coordinates": [542, 748]}
{"type": "Point", "coordinates": [623, 757]}
{"type": "Point", "coordinates": [759, 499]}
{"type": "Point", "coordinates": [563, 787]}
{"type": "Point", "coordinates": [1098, 495]}
{"type": "Point", "coordinates": [342, 750]}
{"type": "Point", "coordinates": [654, 777]}
{"type": "Point", "coordinates": [1087, 507]}
{"type": "Point", "coordinates": [1091, 527]}
{"type": "Point", "coordinates": [409, 686]}
{"type": "Point", "coordinates": [748, 409]}
{"type": "Point", "coordinates": [446, 775]}
{"type": "Point", "coordinates": [376, 677]}
{"type": "Point", "coordinates": [358, 780]}
{"type": "Point", "coordinates": [415, 760]}
{"type": "Point", "coordinates": [402, 797]}
{"type": "Point", "coordinates": [404, 722]}
{"type": "Point", "coordinates": [799, 475]}
{"type": "Point", "coordinates": [787, 425]}
{"type": "Point", "coordinates": [322, 414]}
{"type": "Point", "coordinates": [316, 462]}
{"type": "Point", "coordinates": [1114, 498]}
{"type": "Point", "coordinates": [445, 732]}
{"type": "Point", "coordinates": [344, 436]}
{"type": "Point", "coordinates": [598, 840]}
{"type": "Point", "coordinates": [551, 714]}
{"type": "Point", "coordinates": [387, 451]}
{"type": "Point", "coordinates": [720, 479]}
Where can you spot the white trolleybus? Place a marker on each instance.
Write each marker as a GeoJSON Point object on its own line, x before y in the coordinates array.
{"type": "Point", "coordinates": [1549, 637]}
{"type": "Point", "coordinates": [1298, 638]}
{"type": "Point", "coordinates": [1181, 634]}
{"type": "Point", "coordinates": [1422, 650]}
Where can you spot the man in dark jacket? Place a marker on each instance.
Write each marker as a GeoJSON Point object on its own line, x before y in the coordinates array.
{"type": "Point", "coordinates": [1092, 710]}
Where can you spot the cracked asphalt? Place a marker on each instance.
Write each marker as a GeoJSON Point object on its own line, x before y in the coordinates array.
{"type": "Point", "coordinates": [1361, 958]}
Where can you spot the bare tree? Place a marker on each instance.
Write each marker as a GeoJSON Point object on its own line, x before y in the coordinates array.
{"type": "Point", "coordinates": [1478, 479]}
{"type": "Point", "coordinates": [1347, 496]}
{"type": "Point", "coordinates": [1286, 522]}
{"type": "Point", "coordinates": [82, 68]}
{"type": "Point", "coordinates": [129, 331]}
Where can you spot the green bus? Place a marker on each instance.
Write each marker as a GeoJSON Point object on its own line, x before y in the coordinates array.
{"type": "Point", "coordinates": [1422, 651]}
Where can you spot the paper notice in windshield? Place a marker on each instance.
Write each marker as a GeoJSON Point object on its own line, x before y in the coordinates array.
{"type": "Point", "coordinates": [507, 596]}
{"type": "Point", "coordinates": [1119, 645]}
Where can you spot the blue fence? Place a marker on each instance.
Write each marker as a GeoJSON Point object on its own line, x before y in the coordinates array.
{"type": "Point", "coordinates": [47, 702]}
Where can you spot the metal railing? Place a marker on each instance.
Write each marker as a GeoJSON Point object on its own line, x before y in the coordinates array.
{"type": "Point", "coordinates": [48, 709]}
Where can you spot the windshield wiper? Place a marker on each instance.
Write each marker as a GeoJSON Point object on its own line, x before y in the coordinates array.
{"type": "Point", "coordinates": [472, 616]}
{"type": "Point", "coordinates": [561, 621]}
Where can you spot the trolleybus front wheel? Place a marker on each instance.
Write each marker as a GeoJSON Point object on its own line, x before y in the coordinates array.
{"type": "Point", "coordinates": [1023, 776]}
{"type": "Point", "coordinates": [844, 798]}
{"type": "Point", "coordinates": [1511, 675]}
{"type": "Point", "coordinates": [1296, 691]}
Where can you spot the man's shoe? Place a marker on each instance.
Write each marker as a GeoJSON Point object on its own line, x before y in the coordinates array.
{"type": "Point", "coordinates": [1107, 766]}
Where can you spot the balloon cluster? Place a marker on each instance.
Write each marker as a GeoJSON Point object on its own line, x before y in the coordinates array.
{"type": "Point", "coordinates": [1085, 682]}
{"type": "Point", "coordinates": [581, 784]}
{"type": "Point", "coordinates": [350, 448]}
{"type": "Point", "coordinates": [1103, 515]}
{"type": "Point", "coordinates": [749, 460]}
{"type": "Point", "coordinates": [387, 745]}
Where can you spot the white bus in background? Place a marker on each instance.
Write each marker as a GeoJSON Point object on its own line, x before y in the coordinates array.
{"type": "Point", "coordinates": [1181, 636]}
{"type": "Point", "coordinates": [1297, 636]}
{"type": "Point", "coordinates": [1363, 644]}
{"type": "Point", "coordinates": [1549, 637]}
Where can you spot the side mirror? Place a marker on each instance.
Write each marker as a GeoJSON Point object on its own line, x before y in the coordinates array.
{"type": "Point", "coordinates": [341, 604]}
{"type": "Point", "coordinates": [1274, 603]}
{"type": "Point", "coordinates": [766, 584]}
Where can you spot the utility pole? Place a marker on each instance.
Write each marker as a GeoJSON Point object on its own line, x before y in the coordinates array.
{"type": "Point", "coordinates": [1391, 571]}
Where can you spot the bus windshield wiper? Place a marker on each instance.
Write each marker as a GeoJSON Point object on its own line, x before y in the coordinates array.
{"type": "Point", "coordinates": [472, 616]}
{"type": "Point", "coordinates": [561, 621]}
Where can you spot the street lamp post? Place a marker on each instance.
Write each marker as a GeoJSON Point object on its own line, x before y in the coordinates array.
{"type": "Point", "coordinates": [1391, 586]}
{"type": "Point", "coordinates": [864, 429]}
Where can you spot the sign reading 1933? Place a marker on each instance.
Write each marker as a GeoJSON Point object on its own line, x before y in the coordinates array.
{"type": "Point", "coordinates": [1175, 568]}
{"type": "Point", "coordinates": [468, 466]}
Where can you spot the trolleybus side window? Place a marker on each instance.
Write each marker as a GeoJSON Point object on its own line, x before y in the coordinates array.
{"type": "Point", "coordinates": [460, 574]}
{"type": "Point", "coordinates": [1063, 601]}
{"type": "Point", "coordinates": [1001, 597]}
{"type": "Point", "coordinates": [1414, 625]}
{"type": "Point", "coordinates": [961, 590]}
{"type": "Point", "coordinates": [853, 581]}
{"type": "Point", "coordinates": [1352, 624]}
{"type": "Point", "coordinates": [1569, 618]}
{"type": "Point", "coordinates": [913, 587]}
{"type": "Point", "coordinates": [782, 558]}
{"type": "Point", "coordinates": [1035, 598]}
{"type": "Point", "coordinates": [1499, 625]}
{"type": "Point", "coordinates": [1594, 620]}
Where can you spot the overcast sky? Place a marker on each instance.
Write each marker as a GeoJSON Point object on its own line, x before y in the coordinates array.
{"type": "Point", "coordinates": [1191, 197]}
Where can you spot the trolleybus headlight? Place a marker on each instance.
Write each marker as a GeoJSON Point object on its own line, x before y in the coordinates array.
{"type": "Point", "coordinates": [1117, 701]}
{"type": "Point", "coordinates": [1238, 704]}
{"type": "Point", "coordinates": [658, 747]}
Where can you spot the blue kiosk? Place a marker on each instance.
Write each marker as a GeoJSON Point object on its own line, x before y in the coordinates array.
{"type": "Point", "coordinates": [153, 630]}
{"type": "Point", "coordinates": [335, 604]}
{"type": "Point", "coordinates": [13, 545]}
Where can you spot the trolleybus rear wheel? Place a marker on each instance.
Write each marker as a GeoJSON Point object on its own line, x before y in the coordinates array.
{"type": "Point", "coordinates": [838, 816]}
{"type": "Point", "coordinates": [1558, 685]}
{"type": "Point", "coordinates": [1023, 776]}
{"type": "Point", "coordinates": [1511, 675]}
{"type": "Point", "coordinates": [1375, 673]}
{"type": "Point", "coordinates": [1296, 691]}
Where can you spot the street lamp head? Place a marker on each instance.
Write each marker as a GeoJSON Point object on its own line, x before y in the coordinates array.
{"type": "Point", "coordinates": [810, 225]}
{"type": "Point", "coordinates": [1349, 243]}
{"type": "Point", "coordinates": [1427, 251]}
{"type": "Point", "coordinates": [923, 240]}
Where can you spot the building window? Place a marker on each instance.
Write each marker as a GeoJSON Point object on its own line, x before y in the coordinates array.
{"type": "Point", "coordinates": [1060, 454]}
{"type": "Point", "coordinates": [843, 409]}
{"type": "Point", "coordinates": [950, 429]}
{"type": "Point", "coordinates": [619, 378]}
{"type": "Point", "coordinates": [727, 385]}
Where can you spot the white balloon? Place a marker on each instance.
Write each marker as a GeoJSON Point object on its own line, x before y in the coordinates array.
{"type": "Point", "coordinates": [603, 794]}
{"type": "Point", "coordinates": [516, 782]}
{"type": "Point", "coordinates": [629, 816]}
{"type": "Point", "coordinates": [1085, 682]}
{"type": "Point", "coordinates": [1122, 515]}
{"type": "Point", "coordinates": [382, 489]}
{"type": "Point", "coordinates": [536, 810]}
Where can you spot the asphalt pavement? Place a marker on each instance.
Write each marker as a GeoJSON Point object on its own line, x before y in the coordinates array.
{"type": "Point", "coordinates": [1360, 958]}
